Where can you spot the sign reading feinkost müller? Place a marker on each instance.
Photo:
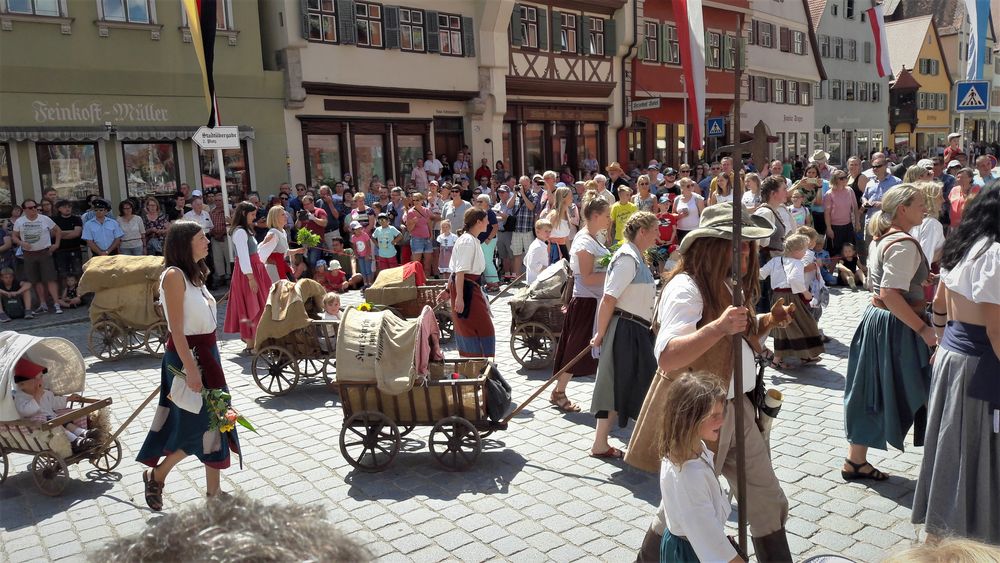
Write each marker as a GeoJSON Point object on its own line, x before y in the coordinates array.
{"type": "Point", "coordinates": [221, 137]}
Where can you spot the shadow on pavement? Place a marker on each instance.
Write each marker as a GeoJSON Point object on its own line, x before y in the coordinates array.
{"type": "Point", "coordinates": [306, 396]}
{"type": "Point", "coordinates": [24, 506]}
{"type": "Point", "coordinates": [815, 375]}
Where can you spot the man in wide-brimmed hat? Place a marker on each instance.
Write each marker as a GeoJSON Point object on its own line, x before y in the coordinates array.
{"type": "Point", "coordinates": [821, 158]}
{"type": "Point", "coordinates": [697, 321]}
{"type": "Point", "coordinates": [617, 177]}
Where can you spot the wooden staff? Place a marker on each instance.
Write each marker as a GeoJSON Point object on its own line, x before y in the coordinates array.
{"type": "Point", "coordinates": [136, 413]}
{"type": "Point", "coordinates": [506, 287]}
{"type": "Point", "coordinates": [546, 384]}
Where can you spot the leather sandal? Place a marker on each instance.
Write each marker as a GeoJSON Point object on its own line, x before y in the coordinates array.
{"type": "Point", "coordinates": [858, 475]}
{"type": "Point", "coordinates": [562, 402]}
{"type": "Point", "coordinates": [153, 492]}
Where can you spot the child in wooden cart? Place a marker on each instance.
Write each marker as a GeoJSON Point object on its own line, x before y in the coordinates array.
{"type": "Point", "coordinates": [34, 402]}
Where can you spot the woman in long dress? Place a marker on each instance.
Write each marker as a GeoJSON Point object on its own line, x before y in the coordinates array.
{"type": "Point", "coordinates": [251, 284]}
{"type": "Point", "coordinates": [273, 250]}
{"type": "Point", "coordinates": [588, 286]}
{"type": "Point", "coordinates": [191, 349]}
{"type": "Point", "coordinates": [888, 369]}
{"type": "Point", "coordinates": [624, 319]}
{"type": "Point", "coordinates": [470, 312]}
{"type": "Point", "coordinates": [958, 491]}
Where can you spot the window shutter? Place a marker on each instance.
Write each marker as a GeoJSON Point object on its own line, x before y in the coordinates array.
{"type": "Point", "coordinates": [556, 32]}
{"type": "Point", "coordinates": [805, 87]}
{"type": "Point", "coordinates": [304, 8]}
{"type": "Point", "coordinates": [469, 36]}
{"type": "Point", "coordinates": [784, 40]}
{"type": "Point", "coordinates": [391, 15]}
{"type": "Point", "coordinates": [543, 29]}
{"type": "Point", "coordinates": [760, 31]}
{"type": "Point", "coordinates": [583, 35]}
{"type": "Point", "coordinates": [433, 37]}
{"type": "Point", "coordinates": [752, 96]}
{"type": "Point", "coordinates": [767, 89]}
{"type": "Point", "coordinates": [642, 48]}
{"type": "Point", "coordinates": [610, 41]}
{"type": "Point", "coordinates": [728, 61]}
{"type": "Point", "coordinates": [805, 43]}
{"type": "Point", "coordinates": [515, 27]}
{"type": "Point", "coordinates": [752, 40]}
{"type": "Point", "coordinates": [346, 24]}
{"type": "Point", "coordinates": [664, 43]}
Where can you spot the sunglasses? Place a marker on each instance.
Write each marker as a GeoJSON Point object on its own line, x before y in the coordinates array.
{"type": "Point", "coordinates": [685, 171]}
{"type": "Point", "coordinates": [29, 207]}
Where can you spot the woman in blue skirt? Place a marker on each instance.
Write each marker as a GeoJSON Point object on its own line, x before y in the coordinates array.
{"type": "Point", "coordinates": [888, 369]}
{"type": "Point", "coordinates": [190, 309]}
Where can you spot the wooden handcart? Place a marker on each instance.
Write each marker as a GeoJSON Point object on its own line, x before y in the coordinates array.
{"type": "Point", "coordinates": [535, 334]}
{"type": "Point", "coordinates": [309, 352]}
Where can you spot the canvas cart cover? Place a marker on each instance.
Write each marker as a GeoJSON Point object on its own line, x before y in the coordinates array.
{"type": "Point", "coordinates": [377, 347]}
{"type": "Point", "coordinates": [125, 287]}
{"type": "Point", "coordinates": [66, 370]}
{"type": "Point", "coordinates": [548, 290]}
{"type": "Point", "coordinates": [394, 285]}
{"type": "Point", "coordinates": [288, 307]}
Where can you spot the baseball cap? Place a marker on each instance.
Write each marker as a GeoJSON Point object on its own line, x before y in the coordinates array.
{"type": "Point", "coordinates": [383, 216]}
{"type": "Point", "coordinates": [355, 225]}
{"type": "Point", "coordinates": [334, 264]}
{"type": "Point", "coordinates": [321, 263]}
{"type": "Point", "coordinates": [196, 193]}
{"type": "Point", "coordinates": [926, 163]}
{"type": "Point", "coordinates": [100, 204]}
{"type": "Point", "coordinates": [669, 172]}
{"type": "Point", "coordinates": [653, 164]}
{"type": "Point", "coordinates": [954, 136]}
{"type": "Point", "coordinates": [954, 164]}
{"type": "Point", "coordinates": [502, 189]}
{"type": "Point", "coordinates": [537, 178]}
{"type": "Point", "coordinates": [561, 185]}
{"type": "Point", "coordinates": [433, 183]}
{"type": "Point", "coordinates": [26, 369]}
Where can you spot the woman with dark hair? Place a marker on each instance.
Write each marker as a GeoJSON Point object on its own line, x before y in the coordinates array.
{"type": "Point", "coordinates": [191, 349]}
{"type": "Point", "coordinates": [156, 226]}
{"type": "Point", "coordinates": [251, 284]}
{"type": "Point", "coordinates": [470, 312]}
{"type": "Point", "coordinates": [888, 369]}
{"type": "Point", "coordinates": [134, 240]}
{"type": "Point", "coordinates": [958, 491]}
{"type": "Point", "coordinates": [814, 188]}
{"type": "Point", "coordinates": [588, 286]}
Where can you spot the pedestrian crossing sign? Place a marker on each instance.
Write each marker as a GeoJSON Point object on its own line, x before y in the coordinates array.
{"type": "Point", "coordinates": [716, 127]}
{"type": "Point", "coordinates": [972, 95]}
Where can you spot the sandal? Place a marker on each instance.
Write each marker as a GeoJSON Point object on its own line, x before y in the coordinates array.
{"type": "Point", "coordinates": [808, 361]}
{"type": "Point", "coordinates": [154, 491]}
{"type": "Point", "coordinates": [562, 402]}
{"type": "Point", "coordinates": [778, 365]}
{"type": "Point", "coordinates": [858, 475]}
{"type": "Point", "coordinates": [612, 453]}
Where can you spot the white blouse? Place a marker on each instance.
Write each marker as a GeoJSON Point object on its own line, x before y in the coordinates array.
{"type": "Point", "coordinates": [977, 276]}
{"type": "Point", "coordinates": [586, 243]}
{"type": "Point", "coordinates": [467, 256]}
{"type": "Point", "coordinates": [241, 242]}
{"type": "Point", "coordinates": [930, 235]}
{"type": "Point", "coordinates": [200, 311]}
{"type": "Point", "coordinates": [785, 273]}
{"type": "Point", "coordinates": [133, 229]}
{"type": "Point", "coordinates": [630, 281]}
{"type": "Point", "coordinates": [278, 243]}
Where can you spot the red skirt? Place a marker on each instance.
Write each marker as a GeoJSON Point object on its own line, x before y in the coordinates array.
{"type": "Point", "coordinates": [577, 330]}
{"type": "Point", "coordinates": [245, 307]}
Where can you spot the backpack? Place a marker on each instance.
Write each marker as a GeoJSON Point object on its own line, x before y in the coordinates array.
{"type": "Point", "coordinates": [498, 397]}
{"type": "Point", "coordinates": [14, 307]}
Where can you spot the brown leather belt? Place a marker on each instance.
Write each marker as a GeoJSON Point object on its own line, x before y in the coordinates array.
{"type": "Point", "coordinates": [919, 307]}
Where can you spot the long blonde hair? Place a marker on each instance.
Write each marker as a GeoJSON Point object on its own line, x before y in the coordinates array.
{"type": "Point", "coordinates": [900, 194]}
{"type": "Point", "coordinates": [273, 216]}
{"type": "Point", "coordinates": [688, 403]}
{"type": "Point", "coordinates": [560, 212]}
{"type": "Point", "coordinates": [934, 192]}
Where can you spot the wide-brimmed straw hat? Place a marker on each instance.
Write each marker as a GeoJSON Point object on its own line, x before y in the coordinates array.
{"type": "Point", "coordinates": [820, 156]}
{"type": "Point", "coordinates": [614, 167]}
{"type": "Point", "coordinates": [717, 222]}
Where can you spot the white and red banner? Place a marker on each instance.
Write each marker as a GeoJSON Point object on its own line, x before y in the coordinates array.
{"type": "Point", "coordinates": [881, 45]}
{"type": "Point", "coordinates": [692, 46]}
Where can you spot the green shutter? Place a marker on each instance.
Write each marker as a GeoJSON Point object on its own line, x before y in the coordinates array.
{"type": "Point", "coordinates": [610, 38]}
{"type": "Point", "coordinates": [642, 48]}
{"type": "Point", "coordinates": [543, 29]}
{"type": "Point", "coordinates": [391, 16]}
{"type": "Point", "coordinates": [346, 24]}
{"type": "Point", "coordinates": [304, 9]}
{"type": "Point", "coordinates": [583, 35]}
{"type": "Point", "coordinates": [515, 27]}
{"type": "Point", "coordinates": [433, 37]}
{"type": "Point", "coordinates": [664, 43]}
{"type": "Point", "coordinates": [468, 36]}
{"type": "Point", "coordinates": [556, 32]}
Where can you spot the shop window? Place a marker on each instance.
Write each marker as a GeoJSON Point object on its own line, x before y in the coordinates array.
{"type": "Point", "coordinates": [368, 19]}
{"type": "Point", "coordinates": [36, 7]}
{"type": "Point", "coordinates": [651, 43]}
{"type": "Point", "coordinates": [714, 54]}
{"type": "Point", "coordinates": [681, 143]}
{"type": "Point", "coordinates": [661, 147]}
{"type": "Point", "coordinates": [596, 36]}
{"type": "Point", "coordinates": [534, 141]}
{"type": "Point", "coordinates": [862, 138]}
{"type": "Point", "coordinates": [529, 26]}
{"type": "Point", "coordinates": [637, 142]}
{"type": "Point", "coordinates": [791, 145]}
{"type": "Point", "coordinates": [322, 21]}
{"type": "Point", "coordinates": [131, 11]}
{"type": "Point", "coordinates": [72, 169]}
{"type": "Point", "coordinates": [150, 168]}
{"type": "Point", "coordinates": [323, 154]}
{"type": "Point", "coordinates": [8, 198]}
{"type": "Point", "coordinates": [803, 143]}
{"type": "Point", "coordinates": [450, 30]}
{"type": "Point", "coordinates": [567, 32]}
{"type": "Point", "coordinates": [411, 30]}
{"type": "Point", "coordinates": [508, 147]}
{"type": "Point", "coordinates": [672, 51]}
{"type": "Point", "coordinates": [409, 148]}
{"type": "Point", "coordinates": [369, 154]}
{"type": "Point", "coordinates": [237, 170]}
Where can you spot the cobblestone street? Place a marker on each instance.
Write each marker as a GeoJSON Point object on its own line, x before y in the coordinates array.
{"type": "Point", "coordinates": [533, 494]}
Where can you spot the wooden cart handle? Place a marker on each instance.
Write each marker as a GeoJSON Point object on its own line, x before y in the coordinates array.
{"type": "Point", "coordinates": [136, 413]}
{"type": "Point", "coordinates": [546, 384]}
{"type": "Point", "coordinates": [506, 287]}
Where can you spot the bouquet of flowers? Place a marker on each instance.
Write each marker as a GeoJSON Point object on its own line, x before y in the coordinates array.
{"type": "Point", "coordinates": [221, 415]}
{"type": "Point", "coordinates": [604, 261]}
{"type": "Point", "coordinates": [306, 238]}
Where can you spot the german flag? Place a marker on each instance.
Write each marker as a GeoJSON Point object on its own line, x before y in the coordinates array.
{"type": "Point", "coordinates": [202, 16]}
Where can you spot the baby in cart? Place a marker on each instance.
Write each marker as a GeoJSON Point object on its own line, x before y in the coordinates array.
{"type": "Point", "coordinates": [34, 402]}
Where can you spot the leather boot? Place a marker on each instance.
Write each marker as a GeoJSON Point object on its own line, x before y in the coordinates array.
{"type": "Point", "coordinates": [773, 548]}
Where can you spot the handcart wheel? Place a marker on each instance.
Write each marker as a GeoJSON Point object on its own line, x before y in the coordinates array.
{"type": "Point", "coordinates": [445, 325]}
{"type": "Point", "coordinates": [275, 370]}
{"type": "Point", "coordinates": [369, 441]}
{"type": "Point", "coordinates": [407, 428]}
{"type": "Point", "coordinates": [107, 340]}
{"type": "Point", "coordinates": [156, 339]}
{"type": "Point", "coordinates": [107, 460]}
{"type": "Point", "coordinates": [455, 443]}
{"type": "Point", "coordinates": [312, 367]}
{"type": "Point", "coordinates": [533, 345]}
{"type": "Point", "coordinates": [50, 473]}
{"type": "Point", "coordinates": [3, 465]}
{"type": "Point", "coordinates": [135, 339]}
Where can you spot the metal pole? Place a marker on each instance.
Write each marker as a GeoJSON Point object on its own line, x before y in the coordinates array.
{"type": "Point", "coordinates": [687, 147]}
{"type": "Point", "coordinates": [737, 339]}
{"type": "Point", "coordinates": [962, 39]}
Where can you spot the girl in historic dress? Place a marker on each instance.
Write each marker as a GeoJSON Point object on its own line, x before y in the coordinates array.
{"type": "Point", "coordinates": [801, 338]}
{"type": "Point", "coordinates": [191, 348]}
{"type": "Point", "coordinates": [470, 312]}
{"type": "Point", "coordinates": [251, 284]}
{"type": "Point", "coordinates": [274, 251]}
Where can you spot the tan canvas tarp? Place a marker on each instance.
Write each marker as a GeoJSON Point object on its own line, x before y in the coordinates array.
{"type": "Point", "coordinates": [134, 305]}
{"type": "Point", "coordinates": [287, 309]}
{"type": "Point", "coordinates": [377, 347]}
{"type": "Point", "coordinates": [112, 272]}
{"type": "Point", "coordinates": [391, 287]}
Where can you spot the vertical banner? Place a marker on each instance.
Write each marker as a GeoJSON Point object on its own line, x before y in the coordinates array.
{"type": "Point", "coordinates": [202, 20]}
{"type": "Point", "coordinates": [691, 38]}
{"type": "Point", "coordinates": [979, 15]}
{"type": "Point", "coordinates": [877, 22]}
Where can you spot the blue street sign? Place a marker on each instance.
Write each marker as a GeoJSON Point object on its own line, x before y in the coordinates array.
{"type": "Point", "coordinates": [716, 126]}
{"type": "Point", "coordinates": [972, 95]}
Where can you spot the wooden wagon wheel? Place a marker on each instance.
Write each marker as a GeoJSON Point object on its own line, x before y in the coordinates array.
{"type": "Point", "coordinates": [313, 367]}
{"type": "Point", "coordinates": [3, 465]}
{"type": "Point", "coordinates": [134, 339]}
{"type": "Point", "coordinates": [445, 324]}
{"type": "Point", "coordinates": [533, 345]}
{"type": "Point", "coordinates": [455, 443]}
{"type": "Point", "coordinates": [50, 473]}
{"type": "Point", "coordinates": [407, 428]}
{"type": "Point", "coordinates": [107, 340]}
{"type": "Point", "coordinates": [156, 339]}
{"type": "Point", "coordinates": [275, 370]}
{"type": "Point", "coordinates": [107, 459]}
{"type": "Point", "coordinates": [369, 441]}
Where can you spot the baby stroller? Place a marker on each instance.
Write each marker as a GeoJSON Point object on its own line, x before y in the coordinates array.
{"type": "Point", "coordinates": [46, 441]}
{"type": "Point", "coordinates": [125, 314]}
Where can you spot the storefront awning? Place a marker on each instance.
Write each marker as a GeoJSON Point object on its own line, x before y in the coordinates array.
{"type": "Point", "coordinates": [54, 134]}
{"type": "Point", "coordinates": [169, 133]}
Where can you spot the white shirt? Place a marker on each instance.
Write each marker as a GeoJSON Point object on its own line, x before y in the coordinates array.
{"type": "Point", "coordinates": [433, 167]}
{"type": "Point", "coordinates": [695, 506]}
{"type": "Point", "coordinates": [35, 233]}
{"type": "Point", "coordinates": [681, 308]}
{"type": "Point", "coordinates": [976, 276]}
{"type": "Point", "coordinates": [133, 229]}
{"type": "Point", "coordinates": [204, 219]}
{"type": "Point", "coordinates": [241, 242]}
{"type": "Point", "coordinates": [930, 235]}
{"type": "Point", "coordinates": [536, 259]}
{"type": "Point", "coordinates": [200, 311]}
{"type": "Point", "coordinates": [467, 256]}
{"type": "Point", "coordinates": [41, 410]}
{"type": "Point", "coordinates": [607, 196]}
{"type": "Point", "coordinates": [690, 221]}
{"type": "Point", "coordinates": [785, 273]}
{"type": "Point", "coordinates": [585, 243]}
{"type": "Point", "coordinates": [631, 284]}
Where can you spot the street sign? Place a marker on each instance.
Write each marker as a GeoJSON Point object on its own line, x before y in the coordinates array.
{"type": "Point", "coordinates": [639, 105]}
{"type": "Point", "coordinates": [716, 126]}
{"type": "Point", "coordinates": [972, 95]}
{"type": "Point", "coordinates": [221, 137]}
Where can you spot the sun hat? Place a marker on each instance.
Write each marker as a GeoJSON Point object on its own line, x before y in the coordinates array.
{"type": "Point", "coordinates": [820, 156]}
{"type": "Point", "coordinates": [954, 136]}
{"type": "Point", "coordinates": [717, 222]}
{"type": "Point", "coordinates": [926, 163]}
{"type": "Point", "coordinates": [355, 225]}
{"type": "Point", "coordinates": [614, 167]}
{"type": "Point", "coordinates": [954, 164]}
{"type": "Point", "coordinates": [26, 369]}
{"type": "Point", "coordinates": [334, 265]}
